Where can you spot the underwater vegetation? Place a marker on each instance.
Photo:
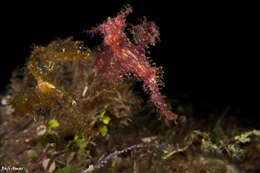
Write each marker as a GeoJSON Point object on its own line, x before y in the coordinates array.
{"type": "Point", "coordinates": [64, 83]}
{"type": "Point", "coordinates": [58, 85]}
{"type": "Point", "coordinates": [77, 109]}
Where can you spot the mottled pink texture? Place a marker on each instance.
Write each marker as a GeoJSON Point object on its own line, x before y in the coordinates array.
{"type": "Point", "coordinates": [119, 57]}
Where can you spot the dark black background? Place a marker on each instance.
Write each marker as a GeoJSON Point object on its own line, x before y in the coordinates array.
{"type": "Point", "coordinates": [209, 51]}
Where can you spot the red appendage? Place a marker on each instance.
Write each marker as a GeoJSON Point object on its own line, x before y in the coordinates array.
{"type": "Point", "coordinates": [120, 57]}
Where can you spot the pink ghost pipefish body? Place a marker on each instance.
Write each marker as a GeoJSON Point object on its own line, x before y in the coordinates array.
{"type": "Point", "coordinates": [119, 56]}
